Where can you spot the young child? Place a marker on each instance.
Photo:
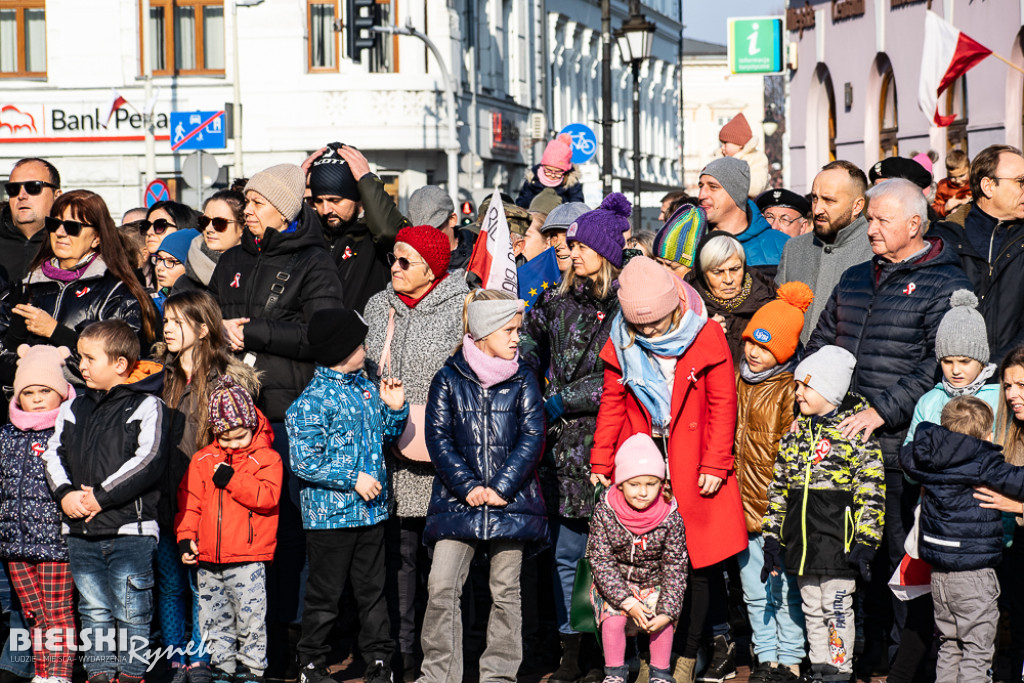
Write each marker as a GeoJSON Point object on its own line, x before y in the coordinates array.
{"type": "Point", "coordinates": [826, 505]}
{"type": "Point", "coordinates": [955, 188]}
{"type": "Point", "coordinates": [637, 549]}
{"type": "Point", "coordinates": [765, 396]}
{"type": "Point", "coordinates": [170, 263]}
{"type": "Point", "coordinates": [227, 524]}
{"type": "Point", "coordinates": [337, 432]}
{"type": "Point", "coordinates": [961, 345]}
{"type": "Point", "coordinates": [30, 538]}
{"type": "Point", "coordinates": [485, 435]}
{"type": "Point", "coordinates": [103, 465]}
{"type": "Point", "coordinates": [962, 541]}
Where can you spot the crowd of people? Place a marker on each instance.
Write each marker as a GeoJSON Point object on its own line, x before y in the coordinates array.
{"type": "Point", "coordinates": [248, 441]}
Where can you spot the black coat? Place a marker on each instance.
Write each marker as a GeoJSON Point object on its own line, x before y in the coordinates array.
{"type": "Point", "coordinates": [16, 251]}
{"type": "Point", "coordinates": [296, 268]}
{"type": "Point", "coordinates": [571, 189]}
{"type": "Point", "coordinates": [485, 437]}
{"type": "Point", "coordinates": [29, 517]}
{"type": "Point", "coordinates": [890, 327]}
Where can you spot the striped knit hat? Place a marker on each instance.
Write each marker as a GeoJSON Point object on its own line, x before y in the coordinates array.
{"type": "Point", "coordinates": [231, 406]}
{"type": "Point", "coordinates": [678, 238]}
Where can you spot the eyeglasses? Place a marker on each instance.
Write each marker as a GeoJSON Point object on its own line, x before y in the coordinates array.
{"type": "Point", "coordinates": [167, 262]}
{"type": "Point", "coordinates": [159, 226]}
{"type": "Point", "coordinates": [1019, 181]}
{"type": "Point", "coordinates": [32, 187]}
{"type": "Point", "coordinates": [71, 228]}
{"type": "Point", "coordinates": [402, 262]}
{"type": "Point", "coordinates": [785, 220]}
{"type": "Point", "coordinates": [219, 224]}
{"type": "Point", "coordinates": [553, 172]}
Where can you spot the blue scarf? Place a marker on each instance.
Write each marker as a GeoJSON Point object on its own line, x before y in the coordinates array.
{"type": "Point", "coordinates": [640, 372]}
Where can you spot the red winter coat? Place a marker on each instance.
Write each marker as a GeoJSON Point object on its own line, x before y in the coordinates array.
{"type": "Point", "coordinates": [700, 441]}
{"type": "Point", "coordinates": [237, 523]}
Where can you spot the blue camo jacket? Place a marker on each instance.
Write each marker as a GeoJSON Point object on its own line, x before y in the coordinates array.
{"type": "Point", "coordinates": [337, 428]}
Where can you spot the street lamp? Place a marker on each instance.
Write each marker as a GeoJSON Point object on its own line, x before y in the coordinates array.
{"type": "Point", "coordinates": [634, 40]}
{"type": "Point", "coordinates": [236, 109]}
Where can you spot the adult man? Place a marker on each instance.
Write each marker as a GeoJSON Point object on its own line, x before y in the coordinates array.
{"type": "Point", "coordinates": [431, 205]}
{"type": "Point", "coordinates": [341, 185]}
{"type": "Point", "coordinates": [31, 190]}
{"type": "Point", "coordinates": [839, 238]}
{"type": "Point", "coordinates": [902, 167]}
{"type": "Point", "coordinates": [667, 203]}
{"type": "Point", "coordinates": [886, 312]}
{"type": "Point", "coordinates": [555, 227]}
{"type": "Point", "coordinates": [786, 211]}
{"type": "Point", "coordinates": [724, 184]}
{"type": "Point", "coordinates": [988, 236]}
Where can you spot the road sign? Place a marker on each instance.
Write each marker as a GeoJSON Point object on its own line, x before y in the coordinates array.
{"type": "Point", "coordinates": [157, 191]}
{"type": "Point", "coordinates": [584, 142]}
{"type": "Point", "coordinates": [756, 46]}
{"type": "Point", "coordinates": [197, 130]}
{"type": "Point", "coordinates": [200, 170]}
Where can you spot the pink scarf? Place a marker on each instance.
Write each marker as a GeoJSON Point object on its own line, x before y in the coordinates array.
{"type": "Point", "coordinates": [638, 522]}
{"type": "Point", "coordinates": [36, 422]}
{"type": "Point", "coordinates": [489, 370]}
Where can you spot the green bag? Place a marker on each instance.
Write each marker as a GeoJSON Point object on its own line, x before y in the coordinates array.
{"type": "Point", "coordinates": [581, 608]}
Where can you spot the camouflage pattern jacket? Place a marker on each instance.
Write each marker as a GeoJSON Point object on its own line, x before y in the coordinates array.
{"type": "Point", "coordinates": [828, 493]}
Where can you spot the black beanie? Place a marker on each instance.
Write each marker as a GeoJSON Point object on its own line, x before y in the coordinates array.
{"type": "Point", "coordinates": [334, 333]}
{"type": "Point", "coordinates": [331, 175]}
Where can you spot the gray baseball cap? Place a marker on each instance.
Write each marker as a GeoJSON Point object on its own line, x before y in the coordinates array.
{"type": "Point", "coordinates": [430, 205]}
{"type": "Point", "coordinates": [564, 215]}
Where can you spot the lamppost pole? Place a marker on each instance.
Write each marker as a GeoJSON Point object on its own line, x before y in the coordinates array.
{"type": "Point", "coordinates": [634, 39]}
{"type": "Point", "coordinates": [606, 97]}
{"type": "Point", "coordinates": [636, 145]}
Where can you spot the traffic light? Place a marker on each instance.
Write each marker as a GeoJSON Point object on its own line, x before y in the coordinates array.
{"type": "Point", "coordinates": [467, 208]}
{"type": "Point", "coordinates": [360, 18]}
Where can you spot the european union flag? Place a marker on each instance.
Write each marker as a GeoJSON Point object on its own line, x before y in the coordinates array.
{"type": "Point", "coordinates": [537, 275]}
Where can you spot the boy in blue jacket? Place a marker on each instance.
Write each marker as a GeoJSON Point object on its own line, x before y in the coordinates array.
{"type": "Point", "coordinates": [961, 540]}
{"type": "Point", "coordinates": [337, 431]}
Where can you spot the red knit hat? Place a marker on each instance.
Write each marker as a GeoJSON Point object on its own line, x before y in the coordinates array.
{"type": "Point", "coordinates": [737, 131]}
{"type": "Point", "coordinates": [431, 244]}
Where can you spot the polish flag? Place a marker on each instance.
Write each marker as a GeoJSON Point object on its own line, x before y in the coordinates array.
{"type": "Point", "coordinates": [492, 260]}
{"type": "Point", "coordinates": [948, 54]}
{"type": "Point", "coordinates": [116, 102]}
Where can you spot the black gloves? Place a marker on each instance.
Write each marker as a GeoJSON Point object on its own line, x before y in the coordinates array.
{"type": "Point", "coordinates": [860, 558]}
{"type": "Point", "coordinates": [185, 548]}
{"type": "Point", "coordinates": [222, 475]}
{"type": "Point", "coordinates": [772, 556]}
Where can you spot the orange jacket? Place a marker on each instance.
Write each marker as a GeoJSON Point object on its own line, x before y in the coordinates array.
{"type": "Point", "coordinates": [237, 523]}
{"type": "Point", "coordinates": [944, 192]}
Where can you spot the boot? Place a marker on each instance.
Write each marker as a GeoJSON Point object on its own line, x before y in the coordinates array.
{"type": "Point", "coordinates": [684, 670]}
{"type": "Point", "coordinates": [723, 662]}
{"type": "Point", "coordinates": [569, 668]}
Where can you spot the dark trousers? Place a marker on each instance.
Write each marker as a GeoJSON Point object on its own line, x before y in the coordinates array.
{"type": "Point", "coordinates": [707, 586]}
{"type": "Point", "coordinates": [408, 568]}
{"type": "Point", "coordinates": [900, 500]}
{"type": "Point", "coordinates": [336, 555]}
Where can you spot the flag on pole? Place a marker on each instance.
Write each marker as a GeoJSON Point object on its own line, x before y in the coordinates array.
{"type": "Point", "coordinates": [116, 102]}
{"type": "Point", "coordinates": [947, 55]}
{"type": "Point", "coordinates": [147, 110]}
{"type": "Point", "coordinates": [492, 260]}
{"type": "Point", "coordinates": [538, 275]}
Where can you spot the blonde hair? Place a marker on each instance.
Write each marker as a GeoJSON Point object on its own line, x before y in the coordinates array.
{"type": "Point", "coordinates": [482, 295]}
{"type": "Point", "coordinates": [1009, 432]}
{"type": "Point", "coordinates": [600, 283]}
{"type": "Point", "coordinates": [677, 317]}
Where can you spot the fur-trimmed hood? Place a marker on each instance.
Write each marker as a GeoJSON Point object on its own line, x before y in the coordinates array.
{"type": "Point", "coordinates": [571, 178]}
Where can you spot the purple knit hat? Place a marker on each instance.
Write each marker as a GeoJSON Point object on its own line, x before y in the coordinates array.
{"type": "Point", "coordinates": [231, 406]}
{"type": "Point", "coordinates": [602, 228]}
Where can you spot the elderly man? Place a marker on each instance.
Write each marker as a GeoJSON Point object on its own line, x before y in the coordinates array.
{"type": "Point", "coordinates": [988, 235]}
{"type": "Point", "coordinates": [839, 239]}
{"type": "Point", "coordinates": [786, 211]}
{"type": "Point", "coordinates": [886, 312]}
{"type": "Point", "coordinates": [431, 205]}
{"type": "Point", "coordinates": [31, 190]}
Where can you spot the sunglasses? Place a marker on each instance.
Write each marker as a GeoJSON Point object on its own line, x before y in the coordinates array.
{"type": "Point", "coordinates": [219, 224]}
{"type": "Point", "coordinates": [72, 228]}
{"type": "Point", "coordinates": [402, 262]}
{"type": "Point", "coordinates": [32, 187]}
{"type": "Point", "coordinates": [159, 226]}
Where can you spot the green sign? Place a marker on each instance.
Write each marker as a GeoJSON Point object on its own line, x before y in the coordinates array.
{"type": "Point", "coordinates": [755, 45]}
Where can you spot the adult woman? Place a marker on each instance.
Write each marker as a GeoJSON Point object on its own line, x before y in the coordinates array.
{"type": "Point", "coordinates": [221, 225]}
{"type": "Point", "coordinates": [414, 325]}
{"type": "Point", "coordinates": [668, 374]}
{"type": "Point", "coordinates": [562, 336]}
{"type": "Point", "coordinates": [162, 219]}
{"type": "Point", "coordinates": [81, 274]}
{"type": "Point", "coordinates": [731, 291]}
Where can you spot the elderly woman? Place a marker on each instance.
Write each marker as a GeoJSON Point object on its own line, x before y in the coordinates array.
{"type": "Point", "coordinates": [415, 324]}
{"type": "Point", "coordinates": [732, 292]}
{"type": "Point", "coordinates": [221, 226]}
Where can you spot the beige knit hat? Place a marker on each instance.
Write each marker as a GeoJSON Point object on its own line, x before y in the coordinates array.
{"type": "Point", "coordinates": [283, 186]}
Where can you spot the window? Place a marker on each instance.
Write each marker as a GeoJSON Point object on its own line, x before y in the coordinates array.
{"type": "Point", "coordinates": [22, 38]}
{"type": "Point", "coordinates": [322, 54]}
{"type": "Point", "coordinates": [888, 117]}
{"type": "Point", "coordinates": [187, 37]}
{"type": "Point", "coordinates": [384, 55]}
{"type": "Point", "coordinates": [956, 105]}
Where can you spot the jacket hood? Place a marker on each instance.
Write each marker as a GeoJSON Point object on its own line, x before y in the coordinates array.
{"type": "Point", "coordinates": [452, 287]}
{"type": "Point", "coordinates": [307, 233]}
{"type": "Point", "coordinates": [96, 270]}
{"type": "Point", "coordinates": [958, 457]}
{"type": "Point", "coordinates": [146, 376]}
{"type": "Point", "coordinates": [757, 223]}
{"type": "Point", "coordinates": [201, 261]}
{"type": "Point", "coordinates": [572, 177]}
{"type": "Point", "coordinates": [245, 375]}
{"type": "Point", "coordinates": [262, 438]}
{"type": "Point", "coordinates": [851, 405]}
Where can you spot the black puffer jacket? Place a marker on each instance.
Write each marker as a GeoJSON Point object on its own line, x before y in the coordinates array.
{"type": "Point", "coordinates": [16, 251]}
{"type": "Point", "coordinates": [887, 315]}
{"type": "Point", "coordinates": [295, 267]}
{"type": "Point", "coordinates": [29, 517]}
{"type": "Point", "coordinates": [485, 437]}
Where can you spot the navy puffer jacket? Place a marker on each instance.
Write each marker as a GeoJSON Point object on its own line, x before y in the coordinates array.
{"type": "Point", "coordinates": [957, 534]}
{"type": "Point", "coordinates": [887, 314]}
{"type": "Point", "coordinates": [485, 437]}
{"type": "Point", "coordinates": [29, 516]}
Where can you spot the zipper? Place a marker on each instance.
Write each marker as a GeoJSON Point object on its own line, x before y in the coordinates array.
{"type": "Point", "coordinates": [220, 510]}
{"type": "Point", "coordinates": [250, 527]}
{"type": "Point", "coordinates": [803, 504]}
{"type": "Point", "coordinates": [848, 529]}
{"type": "Point", "coordinates": [487, 460]}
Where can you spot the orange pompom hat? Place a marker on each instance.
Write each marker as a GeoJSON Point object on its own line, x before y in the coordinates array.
{"type": "Point", "coordinates": [777, 325]}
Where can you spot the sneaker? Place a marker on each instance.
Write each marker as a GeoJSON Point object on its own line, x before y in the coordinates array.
{"type": "Point", "coordinates": [617, 674]}
{"type": "Point", "coordinates": [378, 672]}
{"type": "Point", "coordinates": [179, 674]}
{"type": "Point", "coordinates": [125, 678]}
{"type": "Point", "coordinates": [723, 662]}
{"type": "Point", "coordinates": [99, 678]}
{"type": "Point", "coordinates": [200, 673]}
{"type": "Point", "coordinates": [783, 674]}
{"type": "Point", "coordinates": [410, 667]}
{"type": "Point", "coordinates": [315, 673]}
{"type": "Point", "coordinates": [244, 675]}
{"type": "Point", "coordinates": [763, 673]}
{"type": "Point", "coordinates": [220, 676]}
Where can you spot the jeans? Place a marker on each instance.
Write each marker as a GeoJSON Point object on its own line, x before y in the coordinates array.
{"type": "Point", "coordinates": [442, 638]}
{"type": "Point", "coordinates": [966, 614]}
{"type": "Point", "coordinates": [570, 538]}
{"type": "Point", "coordinates": [114, 577]}
{"type": "Point", "coordinates": [773, 608]}
{"type": "Point", "coordinates": [175, 589]}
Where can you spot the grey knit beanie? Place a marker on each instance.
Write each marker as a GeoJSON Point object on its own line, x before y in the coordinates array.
{"type": "Point", "coordinates": [283, 186]}
{"type": "Point", "coordinates": [828, 371]}
{"type": "Point", "coordinates": [734, 175]}
{"type": "Point", "coordinates": [484, 317]}
{"type": "Point", "coordinates": [962, 330]}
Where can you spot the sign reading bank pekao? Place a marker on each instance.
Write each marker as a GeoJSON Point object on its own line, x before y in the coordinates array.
{"type": "Point", "coordinates": [21, 123]}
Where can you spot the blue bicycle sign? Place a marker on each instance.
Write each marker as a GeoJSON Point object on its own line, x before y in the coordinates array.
{"type": "Point", "coordinates": [584, 142]}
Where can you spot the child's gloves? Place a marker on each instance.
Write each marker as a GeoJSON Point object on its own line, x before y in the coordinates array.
{"type": "Point", "coordinates": [772, 557]}
{"type": "Point", "coordinates": [860, 558]}
{"type": "Point", "coordinates": [185, 547]}
{"type": "Point", "coordinates": [222, 475]}
{"type": "Point", "coordinates": [554, 407]}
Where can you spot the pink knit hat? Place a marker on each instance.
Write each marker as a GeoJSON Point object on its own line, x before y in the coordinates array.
{"type": "Point", "coordinates": [41, 365]}
{"type": "Point", "coordinates": [558, 154]}
{"type": "Point", "coordinates": [638, 456]}
{"type": "Point", "coordinates": [647, 292]}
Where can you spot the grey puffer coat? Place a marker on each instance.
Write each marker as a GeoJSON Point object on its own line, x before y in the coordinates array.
{"type": "Point", "coordinates": [424, 338]}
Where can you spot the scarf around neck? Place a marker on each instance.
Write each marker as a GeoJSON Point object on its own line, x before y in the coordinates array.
{"type": "Point", "coordinates": [36, 422]}
{"type": "Point", "coordinates": [55, 272]}
{"type": "Point", "coordinates": [737, 301]}
{"type": "Point", "coordinates": [972, 388]}
{"type": "Point", "coordinates": [489, 369]}
{"type": "Point", "coordinates": [638, 522]}
{"type": "Point", "coordinates": [411, 302]}
{"type": "Point", "coordinates": [751, 377]}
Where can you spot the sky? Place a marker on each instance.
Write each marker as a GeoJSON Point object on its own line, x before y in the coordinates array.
{"type": "Point", "coordinates": [706, 19]}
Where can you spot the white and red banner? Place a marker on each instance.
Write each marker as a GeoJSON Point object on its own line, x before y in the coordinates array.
{"type": "Point", "coordinates": [492, 260]}
{"type": "Point", "coordinates": [116, 102]}
{"type": "Point", "coordinates": [947, 55]}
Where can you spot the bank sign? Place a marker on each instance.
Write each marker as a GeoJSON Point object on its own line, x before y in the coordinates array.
{"type": "Point", "coordinates": [22, 122]}
{"type": "Point", "coordinates": [755, 45]}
